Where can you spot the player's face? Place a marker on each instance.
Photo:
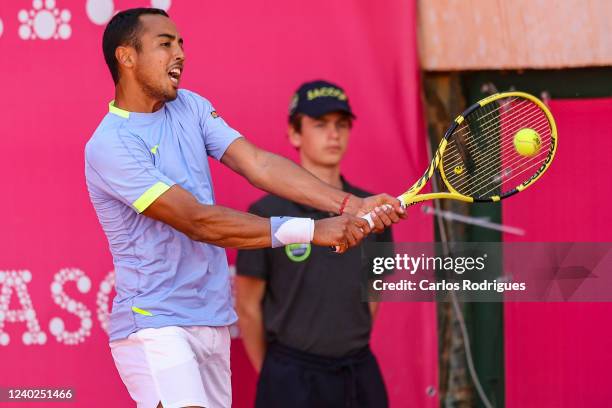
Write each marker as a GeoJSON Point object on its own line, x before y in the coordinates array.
{"type": "Point", "coordinates": [159, 63]}
{"type": "Point", "coordinates": [323, 141]}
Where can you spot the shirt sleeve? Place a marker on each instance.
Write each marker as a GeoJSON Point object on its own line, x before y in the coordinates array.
{"type": "Point", "coordinates": [253, 262]}
{"type": "Point", "coordinates": [217, 134]}
{"type": "Point", "coordinates": [122, 167]}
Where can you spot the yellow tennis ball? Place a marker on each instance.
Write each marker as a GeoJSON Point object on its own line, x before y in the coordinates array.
{"type": "Point", "coordinates": [527, 142]}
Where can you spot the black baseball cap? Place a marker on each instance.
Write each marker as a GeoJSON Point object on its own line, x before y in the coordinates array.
{"type": "Point", "coordinates": [317, 98]}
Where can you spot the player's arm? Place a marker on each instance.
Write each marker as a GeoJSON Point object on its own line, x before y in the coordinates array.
{"type": "Point", "coordinates": [214, 224]}
{"type": "Point", "coordinates": [121, 166]}
{"type": "Point", "coordinates": [236, 229]}
{"type": "Point", "coordinates": [282, 177]}
{"type": "Point", "coordinates": [249, 294]}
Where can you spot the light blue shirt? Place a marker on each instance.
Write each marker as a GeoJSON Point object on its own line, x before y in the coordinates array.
{"type": "Point", "coordinates": [162, 277]}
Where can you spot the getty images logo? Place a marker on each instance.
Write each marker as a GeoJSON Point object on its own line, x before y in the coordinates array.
{"type": "Point", "coordinates": [414, 264]}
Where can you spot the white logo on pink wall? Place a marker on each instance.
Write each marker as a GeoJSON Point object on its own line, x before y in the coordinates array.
{"type": "Point", "coordinates": [103, 298]}
{"type": "Point", "coordinates": [101, 11]}
{"type": "Point", "coordinates": [17, 281]}
{"type": "Point", "coordinates": [44, 21]}
{"type": "Point", "coordinates": [1, 27]}
{"type": "Point", "coordinates": [56, 325]}
{"type": "Point", "coordinates": [14, 283]}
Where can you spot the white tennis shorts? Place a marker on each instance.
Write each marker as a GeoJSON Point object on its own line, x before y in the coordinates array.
{"type": "Point", "coordinates": [179, 366]}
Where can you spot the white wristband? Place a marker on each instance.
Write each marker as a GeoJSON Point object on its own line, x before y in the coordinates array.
{"type": "Point", "coordinates": [290, 230]}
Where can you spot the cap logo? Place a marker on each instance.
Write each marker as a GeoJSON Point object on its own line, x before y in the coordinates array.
{"type": "Point", "coordinates": [326, 91]}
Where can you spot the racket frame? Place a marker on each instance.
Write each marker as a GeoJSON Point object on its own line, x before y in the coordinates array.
{"type": "Point", "coordinates": [411, 196]}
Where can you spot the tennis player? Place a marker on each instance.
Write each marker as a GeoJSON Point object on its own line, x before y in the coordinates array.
{"type": "Point", "coordinates": [304, 325]}
{"type": "Point", "coordinates": [148, 179]}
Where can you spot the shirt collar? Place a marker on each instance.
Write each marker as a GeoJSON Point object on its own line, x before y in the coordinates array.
{"type": "Point", "coordinates": [135, 116]}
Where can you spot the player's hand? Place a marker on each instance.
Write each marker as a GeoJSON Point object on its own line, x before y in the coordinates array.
{"type": "Point", "coordinates": [342, 232]}
{"type": "Point", "coordinates": [384, 210]}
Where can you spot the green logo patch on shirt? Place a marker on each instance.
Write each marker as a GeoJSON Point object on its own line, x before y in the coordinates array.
{"type": "Point", "coordinates": [298, 252]}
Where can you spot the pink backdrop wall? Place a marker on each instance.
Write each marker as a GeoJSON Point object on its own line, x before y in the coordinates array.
{"type": "Point", "coordinates": [559, 354]}
{"type": "Point", "coordinates": [247, 58]}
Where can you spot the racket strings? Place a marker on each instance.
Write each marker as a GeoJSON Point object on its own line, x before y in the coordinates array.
{"type": "Point", "coordinates": [501, 168]}
{"type": "Point", "coordinates": [534, 165]}
{"type": "Point", "coordinates": [491, 167]}
{"type": "Point", "coordinates": [485, 133]}
{"type": "Point", "coordinates": [506, 149]}
{"type": "Point", "coordinates": [507, 175]}
{"type": "Point", "coordinates": [492, 119]}
{"type": "Point", "coordinates": [464, 132]}
{"type": "Point", "coordinates": [498, 171]}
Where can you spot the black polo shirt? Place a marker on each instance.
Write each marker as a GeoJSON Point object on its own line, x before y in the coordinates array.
{"type": "Point", "coordinates": [312, 300]}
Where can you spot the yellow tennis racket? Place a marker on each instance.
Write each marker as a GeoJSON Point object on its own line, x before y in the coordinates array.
{"type": "Point", "coordinates": [496, 148]}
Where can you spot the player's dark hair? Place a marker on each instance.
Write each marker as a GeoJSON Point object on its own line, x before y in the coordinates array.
{"type": "Point", "coordinates": [124, 29]}
{"type": "Point", "coordinates": [295, 120]}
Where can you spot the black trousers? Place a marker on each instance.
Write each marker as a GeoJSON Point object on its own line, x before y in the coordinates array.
{"type": "Point", "coordinates": [290, 378]}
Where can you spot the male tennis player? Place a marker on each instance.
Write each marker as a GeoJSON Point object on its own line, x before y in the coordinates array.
{"type": "Point", "coordinates": [148, 179]}
{"type": "Point", "coordinates": [300, 306]}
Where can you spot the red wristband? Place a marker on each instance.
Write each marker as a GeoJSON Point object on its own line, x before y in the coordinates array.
{"type": "Point", "coordinates": [344, 202]}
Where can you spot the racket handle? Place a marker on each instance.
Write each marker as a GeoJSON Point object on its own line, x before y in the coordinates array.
{"type": "Point", "coordinates": [368, 218]}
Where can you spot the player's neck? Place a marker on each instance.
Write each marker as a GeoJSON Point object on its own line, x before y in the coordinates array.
{"type": "Point", "coordinates": [330, 175]}
{"type": "Point", "coordinates": [130, 97]}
